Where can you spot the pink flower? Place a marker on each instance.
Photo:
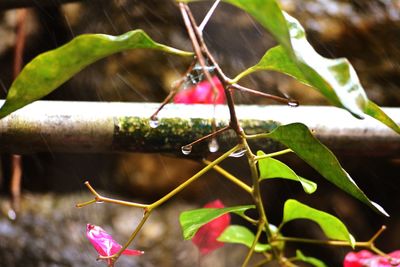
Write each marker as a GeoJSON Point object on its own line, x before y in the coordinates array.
{"type": "Point", "coordinates": [201, 93]}
{"type": "Point", "coordinates": [104, 243]}
{"type": "Point", "coordinates": [206, 237]}
{"type": "Point", "coordinates": [365, 258]}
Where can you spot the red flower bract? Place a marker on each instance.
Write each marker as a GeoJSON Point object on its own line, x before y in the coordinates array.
{"type": "Point", "coordinates": [202, 93]}
{"type": "Point", "coordinates": [365, 258]}
{"type": "Point", "coordinates": [104, 243]}
{"type": "Point", "coordinates": [206, 237]}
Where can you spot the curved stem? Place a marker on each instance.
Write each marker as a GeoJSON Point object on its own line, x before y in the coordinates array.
{"type": "Point", "coordinates": [100, 198]}
{"type": "Point", "coordinates": [192, 179]}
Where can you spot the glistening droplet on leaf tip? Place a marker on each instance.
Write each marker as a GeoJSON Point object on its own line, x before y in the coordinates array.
{"type": "Point", "coordinates": [213, 145]}
{"type": "Point", "coordinates": [153, 122]}
{"type": "Point", "coordinates": [186, 150]}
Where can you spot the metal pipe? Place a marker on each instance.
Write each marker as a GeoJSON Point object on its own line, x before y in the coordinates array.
{"type": "Point", "coordinates": [80, 127]}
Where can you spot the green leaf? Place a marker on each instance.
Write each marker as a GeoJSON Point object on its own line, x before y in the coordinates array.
{"type": "Point", "coordinates": [336, 79]}
{"type": "Point", "coordinates": [298, 137]}
{"type": "Point", "coordinates": [330, 225]}
{"type": "Point", "coordinates": [273, 168]}
{"type": "Point", "coordinates": [311, 260]}
{"type": "Point", "coordinates": [51, 69]}
{"type": "Point", "coordinates": [238, 234]}
{"type": "Point", "coordinates": [376, 112]}
{"type": "Point", "coordinates": [192, 220]}
{"type": "Point", "coordinates": [276, 59]}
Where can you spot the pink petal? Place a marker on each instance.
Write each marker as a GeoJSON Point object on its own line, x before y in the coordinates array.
{"type": "Point", "coordinates": [202, 93]}
{"type": "Point", "coordinates": [104, 243]}
{"type": "Point", "coordinates": [206, 237]}
{"type": "Point", "coordinates": [366, 258]}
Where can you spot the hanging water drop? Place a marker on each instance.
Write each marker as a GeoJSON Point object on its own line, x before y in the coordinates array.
{"type": "Point", "coordinates": [186, 150]}
{"type": "Point", "coordinates": [213, 145]}
{"type": "Point", "coordinates": [293, 103]}
{"type": "Point", "coordinates": [153, 122]}
{"type": "Point", "coordinates": [238, 153]}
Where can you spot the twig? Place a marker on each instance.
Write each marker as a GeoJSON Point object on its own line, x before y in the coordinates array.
{"type": "Point", "coordinates": [208, 15]}
{"type": "Point", "coordinates": [213, 134]}
{"type": "Point", "coordinates": [290, 102]}
{"type": "Point", "coordinates": [230, 177]}
{"type": "Point", "coordinates": [16, 160]}
{"type": "Point", "coordinates": [173, 92]}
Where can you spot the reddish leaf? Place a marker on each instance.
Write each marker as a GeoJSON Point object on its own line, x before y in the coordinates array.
{"type": "Point", "coordinates": [104, 243]}
{"type": "Point", "coordinates": [366, 258]}
{"type": "Point", "coordinates": [206, 237]}
{"type": "Point", "coordinates": [201, 93]}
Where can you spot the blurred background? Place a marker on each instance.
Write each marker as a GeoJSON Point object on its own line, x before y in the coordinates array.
{"type": "Point", "coordinates": [50, 231]}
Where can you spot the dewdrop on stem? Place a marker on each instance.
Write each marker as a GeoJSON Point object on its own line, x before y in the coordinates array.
{"type": "Point", "coordinates": [186, 150]}
{"type": "Point", "coordinates": [213, 145]}
{"type": "Point", "coordinates": [153, 122]}
{"type": "Point", "coordinates": [293, 103]}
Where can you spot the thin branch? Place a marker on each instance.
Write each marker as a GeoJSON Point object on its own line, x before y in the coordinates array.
{"type": "Point", "coordinates": [192, 179]}
{"type": "Point", "coordinates": [198, 40]}
{"type": "Point", "coordinates": [99, 198]}
{"type": "Point", "coordinates": [174, 90]}
{"type": "Point", "coordinates": [231, 177]}
{"type": "Point", "coordinates": [213, 134]}
{"type": "Point", "coordinates": [208, 15]}
{"type": "Point", "coordinates": [290, 102]}
{"type": "Point", "coordinates": [255, 241]}
{"type": "Point", "coordinates": [274, 154]}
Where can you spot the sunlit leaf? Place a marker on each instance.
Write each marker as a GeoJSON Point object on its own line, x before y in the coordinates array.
{"type": "Point", "coordinates": [376, 112]}
{"type": "Point", "coordinates": [311, 260]}
{"type": "Point", "coordinates": [336, 79]}
{"type": "Point", "coordinates": [330, 225]}
{"type": "Point", "coordinates": [238, 234]}
{"type": "Point", "coordinates": [298, 137]}
{"type": "Point", "coordinates": [192, 220]}
{"type": "Point", "coordinates": [51, 69]}
{"type": "Point", "coordinates": [272, 168]}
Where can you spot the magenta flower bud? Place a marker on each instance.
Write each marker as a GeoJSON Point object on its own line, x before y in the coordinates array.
{"type": "Point", "coordinates": [202, 93]}
{"type": "Point", "coordinates": [104, 243]}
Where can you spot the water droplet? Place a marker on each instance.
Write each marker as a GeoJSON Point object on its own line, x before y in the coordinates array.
{"type": "Point", "coordinates": [213, 145]}
{"type": "Point", "coordinates": [293, 103]}
{"type": "Point", "coordinates": [238, 153]}
{"type": "Point", "coordinates": [11, 214]}
{"type": "Point", "coordinates": [99, 201]}
{"type": "Point", "coordinates": [186, 150]}
{"type": "Point", "coordinates": [154, 123]}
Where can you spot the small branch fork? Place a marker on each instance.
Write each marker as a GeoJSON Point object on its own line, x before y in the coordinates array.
{"type": "Point", "coordinates": [148, 208]}
{"type": "Point", "coordinates": [370, 244]}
